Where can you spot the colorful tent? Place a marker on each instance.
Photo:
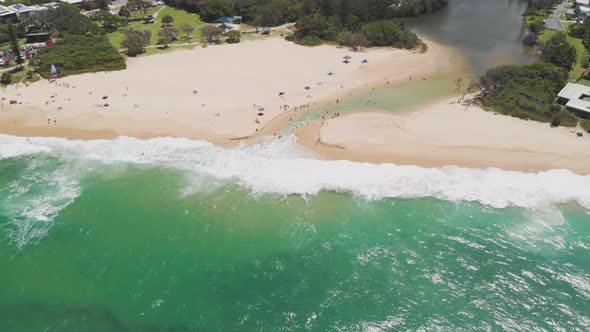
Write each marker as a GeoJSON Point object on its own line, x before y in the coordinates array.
{"type": "Point", "coordinates": [224, 20]}
{"type": "Point", "coordinates": [53, 75]}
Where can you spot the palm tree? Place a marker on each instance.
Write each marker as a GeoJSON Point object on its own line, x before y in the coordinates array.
{"type": "Point", "coordinates": [14, 43]}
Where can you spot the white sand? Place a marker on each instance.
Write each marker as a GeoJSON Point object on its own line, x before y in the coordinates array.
{"type": "Point", "coordinates": [230, 79]}
{"type": "Point", "coordinates": [447, 133]}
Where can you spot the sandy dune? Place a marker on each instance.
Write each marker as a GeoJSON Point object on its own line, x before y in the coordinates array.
{"type": "Point", "coordinates": [154, 96]}
{"type": "Point", "coordinates": [448, 133]}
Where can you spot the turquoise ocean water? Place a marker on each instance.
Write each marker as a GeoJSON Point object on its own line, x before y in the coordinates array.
{"type": "Point", "coordinates": [178, 235]}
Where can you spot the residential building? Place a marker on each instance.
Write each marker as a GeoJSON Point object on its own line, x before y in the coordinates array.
{"type": "Point", "coordinates": [21, 10]}
{"type": "Point", "coordinates": [575, 97]}
{"type": "Point", "coordinates": [78, 3]}
{"type": "Point", "coordinates": [7, 15]}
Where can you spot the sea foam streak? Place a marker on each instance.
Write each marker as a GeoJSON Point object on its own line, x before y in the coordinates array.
{"type": "Point", "coordinates": [283, 167]}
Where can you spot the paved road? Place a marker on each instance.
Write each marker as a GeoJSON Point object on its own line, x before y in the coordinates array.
{"type": "Point", "coordinates": [553, 22]}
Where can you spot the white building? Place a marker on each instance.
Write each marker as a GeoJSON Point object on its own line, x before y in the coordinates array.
{"type": "Point", "coordinates": [7, 15]}
{"type": "Point", "coordinates": [78, 3]}
{"type": "Point", "coordinates": [37, 8]}
{"type": "Point", "coordinates": [575, 97]}
{"type": "Point", "coordinates": [50, 5]}
{"type": "Point", "coordinates": [20, 10]}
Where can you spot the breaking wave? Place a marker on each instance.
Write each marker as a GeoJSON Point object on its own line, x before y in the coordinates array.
{"type": "Point", "coordinates": [283, 167]}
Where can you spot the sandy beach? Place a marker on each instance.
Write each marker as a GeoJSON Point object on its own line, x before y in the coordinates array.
{"type": "Point", "coordinates": [156, 95]}
{"type": "Point", "coordinates": [217, 94]}
{"type": "Point", "coordinates": [449, 134]}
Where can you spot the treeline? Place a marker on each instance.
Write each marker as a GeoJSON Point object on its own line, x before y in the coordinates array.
{"type": "Point", "coordinates": [77, 54]}
{"type": "Point", "coordinates": [277, 12]}
{"type": "Point", "coordinates": [542, 4]}
{"type": "Point", "coordinates": [526, 92]}
{"type": "Point", "coordinates": [355, 23]}
{"type": "Point", "coordinates": [81, 45]}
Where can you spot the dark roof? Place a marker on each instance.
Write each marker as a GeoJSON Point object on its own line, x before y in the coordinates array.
{"type": "Point", "coordinates": [36, 34]}
{"type": "Point", "coordinates": [224, 20]}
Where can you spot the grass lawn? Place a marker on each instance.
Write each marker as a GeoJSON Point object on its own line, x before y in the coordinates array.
{"type": "Point", "coordinates": [7, 46]}
{"type": "Point", "coordinates": [159, 50]}
{"type": "Point", "coordinates": [180, 17]}
{"type": "Point", "coordinates": [576, 72]}
{"type": "Point", "coordinates": [540, 16]}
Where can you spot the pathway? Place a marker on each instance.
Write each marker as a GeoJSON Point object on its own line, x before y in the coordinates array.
{"type": "Point", "coordinates": [553, 22]}
{"type": "Point", "coordinates": [159, 10]}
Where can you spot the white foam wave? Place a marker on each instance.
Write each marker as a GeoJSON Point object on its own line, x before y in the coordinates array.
{"type": "Point", "coordinates": [34, 199]}
{"type": "Point", "coordinates": [283, 167]}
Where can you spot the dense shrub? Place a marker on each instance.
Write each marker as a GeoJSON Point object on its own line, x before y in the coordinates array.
{"type": "Point", "coordinates": [559, 52]}
{"type": "Point", "coordinates": [389, 33]}
{"type": "Point", "coordinates": [6, 78]}
{"type": "Point", "coordinates": [76, 54]}
{"type": "Point", "coordinates": [316, 20]}
{"type": "Point", "coordinates": [310, 41]}
{"type": "Point", "coordinates": [526, 92]}
{"type": "Point", "coordinates": [586, 125]}
{"type": "Point", "coordinates": [233, 36]}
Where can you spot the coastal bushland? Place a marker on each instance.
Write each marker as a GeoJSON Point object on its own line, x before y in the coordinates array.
{"type": "Point", "coordinates": [80, 42]}
{"type": "Point", "coordinates": [76, 54]}
{"type": "Point", "coordinates": [321, 21]}
{"type": "Point", "coordinates": [526, 92]}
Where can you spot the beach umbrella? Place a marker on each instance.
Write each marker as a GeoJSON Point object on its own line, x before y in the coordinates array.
{"type": "Point", "coordinates": [330, 73]}
{"type": "Point", "coordinates": [308, 87]}
{"type": "Point", "coordinates": [348, 57]}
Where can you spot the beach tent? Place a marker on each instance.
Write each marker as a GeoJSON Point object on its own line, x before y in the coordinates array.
{"type": "Point", "coordinates": [348, 57]}
{"type": "Point", "coordinates": [224, 20]}
{"type": "Point", "coordinates": [308, 87]}
{"type": "Point", "coordinates": [53, 74]}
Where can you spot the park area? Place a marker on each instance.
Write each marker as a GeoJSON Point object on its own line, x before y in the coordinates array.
{"type": "Point", "coordinates": [180, 18]}
{"type": "Point", "coordinates": [578, 69]}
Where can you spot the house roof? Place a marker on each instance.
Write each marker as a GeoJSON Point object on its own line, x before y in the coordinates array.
{"type": "Point", "coordinates": [36, 34]}
{"type": "Point", "coordinates": [574, 93]}
{"type": "Point", "coordinates": [5, 11]}
{"type": "Point", "coordinates": [224, 20]}
{"type": "Point", "coordinates": [583, 2]}
{"type": "Point", "coordinates": [52, 5]}
{"type": "Point", "coordinates": [37, 8]}
{"type": "Point", "coordinates": [71, 2]}
{"type": "Point", "coordinates": [19, 8]}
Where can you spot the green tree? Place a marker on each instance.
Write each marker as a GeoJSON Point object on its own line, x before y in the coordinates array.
{"type": "Point", "coordinates": [67, 19]}
{"type": "Point", "coordinates": [211, 33]}
{"type": "Point", "coordinates": [14, 44]}
{"type": "Point", "coordinates": [124, 12]}
{"type": "Point", "coordinates": [356, 40]}
{"type": "Point", "coordinates": [136, 40]}
{"type": "Point", "coordinates": [526, 92]}
{"type": "Point", "coordinates": [559, 52]}
{"type": "Point", "coordinates": [389, 33]}
{"type": "Point", "coordinates": [188, 29]}
{"type": "Point", "coordinates": [233, 36]}
{"type": "Point", "coordinates": [167, 34]}
{"type": "Point", "coordinates": [139, 5]}
{"type": "Point", "coordinates": [102, 4]}
{"type": "Point", "coordinates": [215, 9]}
{"type": "Point", "coordinates": [313, 25]}
{"type": "Point", "coordinates": [167, 20]}
{"type": "Point", "coordinates": [108, 21]}
{"type": "Point", "coordinates": [6, 78]}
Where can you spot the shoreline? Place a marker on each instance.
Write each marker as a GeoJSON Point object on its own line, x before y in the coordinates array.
{"type": "Point", "coordinates": [222, 111]}
{"type": "Point", "coordinates": [445, 133]}
{"type": "Point", "coordinates": [435, 134]}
